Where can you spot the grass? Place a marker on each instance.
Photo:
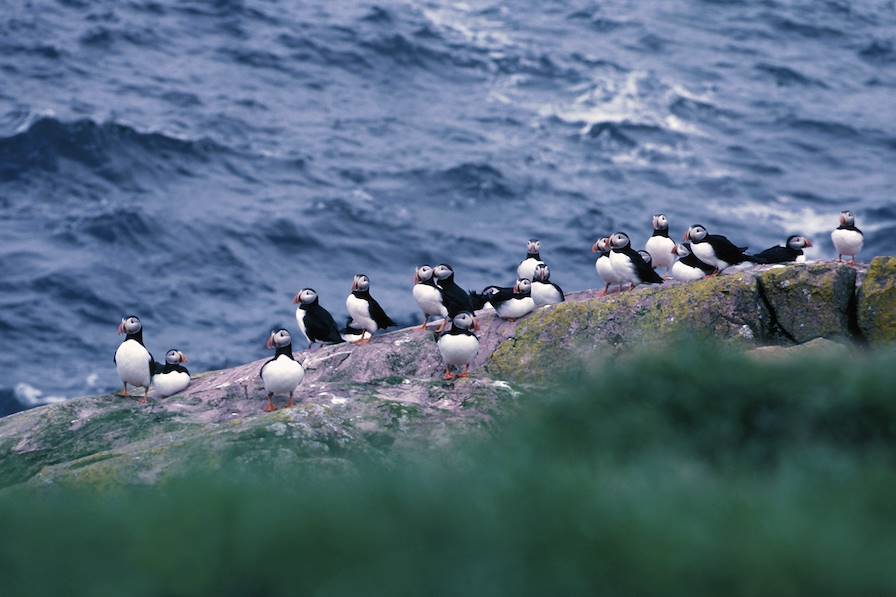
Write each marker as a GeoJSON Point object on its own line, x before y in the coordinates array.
{"type": "Point", "coordinates": [693, 473]}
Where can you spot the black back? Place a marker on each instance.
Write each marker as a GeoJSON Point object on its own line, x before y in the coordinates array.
{"type": "Point", "coordinates": [663, 232]}
{"type": "Point", "coordinates": [319, 324]}
{"type": "Point", "coordinates": [171, 368]}
{"type": "Point", "coordinates": [726, 250]}
{"type": "Point", "coordinates": [455, 298]}
{"type": "Point", "coordinates": [778, 254]}
{"type": "Point", "coordinates": [646, 274]}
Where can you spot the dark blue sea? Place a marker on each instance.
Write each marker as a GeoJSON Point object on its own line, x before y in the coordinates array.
{"type": "Point", "coordinates": [197, 163]}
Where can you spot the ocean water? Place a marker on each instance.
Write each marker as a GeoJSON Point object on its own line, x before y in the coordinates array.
{"type": "Point", "coordinates": [198, 162]}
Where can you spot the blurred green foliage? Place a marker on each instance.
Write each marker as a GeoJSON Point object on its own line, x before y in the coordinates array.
{"type": "Point", "coordinates": [692, 472]}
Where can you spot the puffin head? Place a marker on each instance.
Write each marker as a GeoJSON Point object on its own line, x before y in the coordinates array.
{"type": "Point", "coordinates": [175, 357]}
{"type": "Point", "coordinates": [360, 282]}
{"type": "Point", "coordinates": [542, 273]}
{"type": "Point", "coordinates": [278, 339]}
{"type": "Point", "coordinates": [443, 271]}
{"type": "Point", "coordinates": [660, 222]}
{"type": "Point", "coordinates": [305, 296]}
{"type": "Point", "coordinates": [620, 240]}
{"type": "Point", "coordinates": [130, 325]}
{"type": "Point", "coordinates": [534, 247]}
{"type": "Point", "coordinates": [648, 259]}
{"type": "Point", "coordinates": [600, 245]}
{"type": "Point", "coordinates": [695, 233]}
{"type": "Point", "coordinates": [847, 218]}
{"type": "Point", "coordinates": [522, 286]}
{"type": "Point", "coordinates": [465, 320]}
{"type": "Point", "coordinates": [422, 274]}
{"type": "Point", "coordinates": [798, 243]}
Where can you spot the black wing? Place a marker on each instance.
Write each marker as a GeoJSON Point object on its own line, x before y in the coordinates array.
{"type": "Point", "coordinates": [497, 294]}
{"type": "Point", "coordinates": [321, 326]}
{"type": "Point", "coordinates": [153, 366]}
{"type": "Point", "coordinates": [726, 250]}
{"type": "Point", "coordinates": [477, 299]}
{"type": "Point", "coordinates": [456, 300]}
{"type": "Point", "coordinates": [378, 315]}
{"type": "Point", "coordinates": [777, 254]}
{"type": "Point", "coordinates": [646, 274]}
{"type": "Point", "coordinates": [560, 290]}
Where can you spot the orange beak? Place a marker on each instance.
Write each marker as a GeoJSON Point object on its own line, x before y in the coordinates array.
{"type": "Point", "coordinates": [808, 243]}
{"type": "Point", "coordinates": [594, 247]}
{"type": "Point", "coordinates": [183, 358]}
{"type": "Point", "coordinates": [516, 287]}
{"type": "Point", "coordinates": [675, 250]}
{"type": "Point", "coordinates": [686, 234]}
{"type": "Point", "coordinates": [354, 285]}
{"type": "Point", "coordinates": [121, 328]}
{"type": "Point", "coordinates": [416, 278]}
{"type": "Point", "coordinates": [270, 343]}
{"type": "Point", "coordinates": [476, 326]}
{"type": "Point", "coordinates": [296, 300]}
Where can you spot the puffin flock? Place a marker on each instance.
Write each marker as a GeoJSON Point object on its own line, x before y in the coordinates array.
{"type": "Point", "coordinates": [437, 294]}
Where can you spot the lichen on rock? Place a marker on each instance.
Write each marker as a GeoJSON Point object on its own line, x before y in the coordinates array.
{"type": "Point", "coordinates": [876, 304]}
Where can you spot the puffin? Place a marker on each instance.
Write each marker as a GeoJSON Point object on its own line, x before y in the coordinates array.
{"type": "Point", "coordinates": [365, 312]}
{"type": "Point", "coordinates": [545, 292]}
{"type": "Point", "coordinates": [455, 298]}
{"type": "Point", "coordinates": [603, 266]}
{"type": "Point", "coordinates": [526, 268]}
{"type": "Point", "coordinates": [688, 267]}
{"type": "Point", "coordinates": [488, 294]}
{"type": "Point", "coordinates": [629, 264]}
{"type": "Point", "coordinates": [660, 246]}
{"type": "Point", "coordinates": [350, 333]}
{"type": "Point", "coordinates": [281, 374]}
{"type": "Point", "coordinates": [315, 322]}
{"type": "Point", "coordinates": [848, 239]}
{"type": "Point", "coordinates": [172, 377]}
{"type": "Point", "coordinates": [134, 363]}
{"type": "Point", "coordinates": [428, 295]}
{"type": "Point", "coordinates": [517, 305]}
{"type": "Point", "coordinates": [459, 345]}
{"type": "Point", "coordinates": [715, 249]}
{"type": "Point", "coordinates": [792, 251]}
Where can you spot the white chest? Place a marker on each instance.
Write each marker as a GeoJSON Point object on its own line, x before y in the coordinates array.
{"type": "Point", "coordinates": [605, 270]}
{"type": "Point", "coordinates": [458, 349]}
{"type": "Point", "coordinates": [624, 268]}
{"type": "Point", "coordinates": [526, 268]}
{"type": "Point", "coordinates": [707, 255]}
{"type": "Point", "coordinates": [847, 242]}
{"type": "Point", "coordinates": [429, 299]}
{"type": "Point", "coordinates": [660, 249]}
{"type": "Point", "coordinates": [686, 273]}
{"type": "Point", "coordinates": [132, 363]}
{"type": "Point", "coordinates": [359, 310]}
{"type": "Point", "coordinates": [282, 375]}
{"type": "Point", "coordinates": [515, 308]}
{"type": "Point", "coordinates": [545, 294]}
{"type": "Point", "coordinates": [300, 321]}
{"type": "Point", "coordinates": [168, 384]}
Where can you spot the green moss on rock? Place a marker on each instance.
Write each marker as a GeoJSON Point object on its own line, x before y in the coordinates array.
{"type": "Point", "coordinates": [728, 308]}
{"type": "Point", "coordinates": [810, 301]}
{"type": "Point", "coordinates": [877, 302]}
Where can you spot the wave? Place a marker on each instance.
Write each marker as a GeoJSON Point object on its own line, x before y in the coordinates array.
{"type": "Point", "coordinates": [785, 77]}
{"type": "Point", "coordinates": [111, 149]}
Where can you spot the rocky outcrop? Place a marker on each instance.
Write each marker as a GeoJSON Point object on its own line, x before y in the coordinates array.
{"type": "Point", "coordinates": [877, 301]}
{"type": "Point", "coordinates": [387, 398]}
